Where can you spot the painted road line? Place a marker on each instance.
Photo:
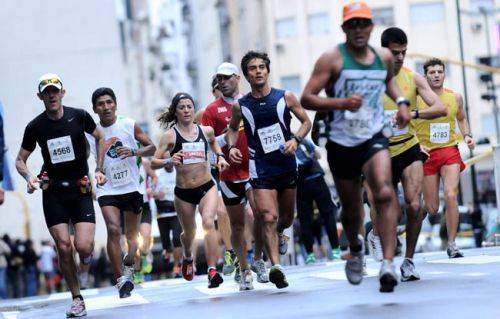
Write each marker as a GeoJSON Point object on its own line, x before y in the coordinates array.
{"type": "Point", "coordinates": [231, 287]}
{"type": "Point", "coordinates": [10, 314]}
{"type": "Point", "coordinates": [340, 274]}
{"type": "Point", "coordinates": [472, 260]}
{"type": "Point", "coordinates": [114, 301]}
{"type": "Point", "coordinates": [67, 295]}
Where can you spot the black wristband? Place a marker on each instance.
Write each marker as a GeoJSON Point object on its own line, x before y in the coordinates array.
{"type": "Point", "coordinates": [417, 114]}
{"type": "Point", "coordinates": [297, 138]}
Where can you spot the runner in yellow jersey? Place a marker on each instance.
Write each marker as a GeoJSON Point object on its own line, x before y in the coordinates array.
{"type": "Point", "coordinates": [439, 136]}
{"type": "Point", "coordinates": [406, 156]}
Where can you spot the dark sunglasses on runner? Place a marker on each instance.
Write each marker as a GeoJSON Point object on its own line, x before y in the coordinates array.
{"type": "Point", "coordinates": [355, 23]}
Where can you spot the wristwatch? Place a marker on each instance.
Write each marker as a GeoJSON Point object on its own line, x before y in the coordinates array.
{"type": "Point", "coordinates": [402, 100]}
{"type": "Point", "coordinates": [417, 114]}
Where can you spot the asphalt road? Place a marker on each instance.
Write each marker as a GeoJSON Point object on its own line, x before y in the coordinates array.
{"type": "Point", "coordinates": [458, 288]}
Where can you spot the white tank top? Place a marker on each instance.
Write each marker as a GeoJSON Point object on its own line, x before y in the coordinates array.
{"type": "Point", "coordinates": [166, 183]}
{"type": "Point", "coordinates": [122, 174]}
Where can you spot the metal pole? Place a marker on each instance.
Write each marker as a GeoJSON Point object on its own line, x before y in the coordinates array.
{"type": "Point", "coordinates": [496, 161]}
{"type": "Point", "coordinates": [466, 97]}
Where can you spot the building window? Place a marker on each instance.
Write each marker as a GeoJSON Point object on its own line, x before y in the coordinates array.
{"type": "Point", "coordinates": [427, 12]}
{"type": "Point", "coordinates": [475, 5]}
{"type": "Point", "coordinates": [488, 124]}
{"type": "Point", "coordinates": [383, 16]}
{"type": "Point", "coordinates": [286, 28]}
{"type": "Point", "coordinates": [291, 83]}
{"type": "Point", "coordinates": [319, 23]}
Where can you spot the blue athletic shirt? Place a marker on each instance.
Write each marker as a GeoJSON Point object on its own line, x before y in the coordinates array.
{"type": "Point", "coordinates": [267, 128]}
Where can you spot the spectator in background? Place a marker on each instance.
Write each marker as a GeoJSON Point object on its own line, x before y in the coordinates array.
{"type": "Point", "coordinates": [4, 254]}
{"type": "Point", "coordinates": [30, 271]}
{"type": "Point", "coordinates": [47, 265]}
{"type": "Point", "coordinates": [14, 269]}
{"type": "Point", "coordinates": [312, 188]}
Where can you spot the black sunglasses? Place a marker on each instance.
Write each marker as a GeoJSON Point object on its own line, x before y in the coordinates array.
{"type": "Point", "coordinates": [355, 23]}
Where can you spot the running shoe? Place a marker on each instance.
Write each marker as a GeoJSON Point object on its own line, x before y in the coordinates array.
{"type": "Point", "coordinates": [283, 243]}
{"type": "Point", "coordinates": [336, 254]}
{"type": "Point", "coordinates": [138, 278]}
{"type": "Point", "coordinates": [375, 246]}
{"type": "Point", "coordinates": [259, 267]}
{"type": "Point", "coordinates": [408, 272]}
{"type": "Point", "coordinates": [229, 261]}
{"type": "Point", "coordinates": [187, 269]}
{"type": "Point", "coordinates": [453, 251]}
{"type": "Point", "coordinates": [128, 271]}
{"type": "Point", "coordinates": [311, 259]}
{"type": "Point", "coordinates": [77, 309]}
{"type": "Point", "coordinates": [246, 280]}
{"type": "Point", "coordinates": [277, 276]}
{"type": "Point", "coordinates": [387, 276]}
{"type": "Point", "coordinates": [237, 275]}
{"type": "Point", "coordinates": [84, 280]}
{"type": "Point", "coordinates": [176, 273]}
{"type": "Point", "coordinates": [354, 265]}
{"type": "Point", "coordinates": [146, 263]}
{"type": "Point", "coordinates": [124, 286]}
{"type": "Point", "coordinates": [214, 278]}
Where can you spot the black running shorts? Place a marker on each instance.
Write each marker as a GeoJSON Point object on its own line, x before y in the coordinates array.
{"type": "Point", "coordinates": [402, 161]}
{"type": "Point", "coordinates": [234, 193]}
{"type": "Point", "coordinates": [193, 195]}
{"type": "Point", "coordinates": [62, 206]}
{"type": "Point", "coordinates": [130, 202]}
{"type": "Point", "coordinates": [347, 162]}
{"type": "Point", "coordinates": [279, 182]}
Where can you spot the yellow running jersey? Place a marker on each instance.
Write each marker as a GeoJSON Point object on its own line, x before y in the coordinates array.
{"type": "Point", "coordinates": [405, 138]}
{"type": "Point", "coordinates": [439, 132]}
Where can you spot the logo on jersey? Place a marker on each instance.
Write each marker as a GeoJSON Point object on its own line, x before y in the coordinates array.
{"type": "Point", "coordinates": [112, 145]}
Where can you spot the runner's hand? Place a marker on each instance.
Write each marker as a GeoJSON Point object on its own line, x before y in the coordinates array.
{"type": "Point", "coordinates": [125, 152]}
{"type": "Point", "coordinates": [177, 158]}
{"type": "Point", "coordinates": [235, 155]}
{"type": "Point", "coordinates": [470, 142]}
{"type": "Point", "coordinates": [100, 178]}
{"type": "Point", "coordinates": [425, 150]}
{"type": "Point", "coordinates": [290, 147]}
{"type": "Point", "coordinates": [32, 184]}
{"type": "Point", "coordinates": [222, 165]}
{"type": "Point", "coordinates": [353, 102]}
{"type": "Point", "coordinates": [403, 117]}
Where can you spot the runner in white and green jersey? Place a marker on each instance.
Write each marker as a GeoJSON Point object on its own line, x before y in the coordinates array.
{"type": "Point", "coordinates": [355, 77]}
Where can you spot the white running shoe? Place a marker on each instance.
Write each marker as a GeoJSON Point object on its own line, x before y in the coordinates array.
{"type": "Point", "coordinates": [246, 280]}
{"type": "Point", "coordinates": [375, 246]}
{"type": "Point", "coordinates": [77, 309]}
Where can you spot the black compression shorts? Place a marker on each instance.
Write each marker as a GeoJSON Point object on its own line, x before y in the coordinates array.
{"type": "Point", "coordinates": [193, 195]}
{"type": "Point", "coordinates": [130, 202]}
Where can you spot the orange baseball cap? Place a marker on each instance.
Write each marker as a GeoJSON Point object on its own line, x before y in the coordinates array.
{"type": "Point", "coordinates": [357, 9]}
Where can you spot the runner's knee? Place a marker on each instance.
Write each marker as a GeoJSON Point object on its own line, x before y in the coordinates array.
{"type": "Point", "coordinates": [64, 247]}
{"type": "Point", "coordinates": [84, 248]}
{"type": "Point", "coordinates": [383, 195]}
{"type": "Point", "coordinates": [268, 216]}
{"type": "Point", "coordinates": [450, 195]}
{"type": "Point", "coordinates": [114, 231]}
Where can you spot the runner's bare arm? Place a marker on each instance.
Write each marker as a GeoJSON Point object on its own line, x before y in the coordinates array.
{"type": "Point", "coordinates": [149, 171]}
{"type": "Point", "coordinates": [199, 115]}
{"type": "Point", "coordinates": [234, 125]}
{"type": "Point", "coordinates": [320, 77]}
{"type": "Point", "coordinates": [162, 154]}
{"type": "Point", "coordinates": [221, 160]}
{"type": "Point", "coordinates": [98, 135]}
{"type": "Point", "coordinates": [148, 148]}
{"type": "Point", "coordinates": [22, 169]}
{"type": "Point", "coordinates": [297, 110]}
{"type": "Point", "coordinates": [233, 133]}
{"type": "Point", "coordinates": [463, 124]}
{"type": "Point", "coordinates": [436, 107]}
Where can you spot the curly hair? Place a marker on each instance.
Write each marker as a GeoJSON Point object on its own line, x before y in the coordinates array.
{"type": "Point", "coordinates": [167, 119]}
{"type": "Point", "coordinates": [250, 55]}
